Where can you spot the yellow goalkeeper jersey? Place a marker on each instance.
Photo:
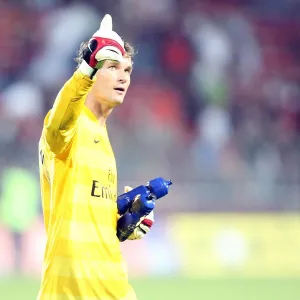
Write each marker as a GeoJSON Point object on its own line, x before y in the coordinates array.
{"type": "Point", "coordinates": [79, 189]}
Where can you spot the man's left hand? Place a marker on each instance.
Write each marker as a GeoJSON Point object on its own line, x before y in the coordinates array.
{"type": "Point", "coordinates": [143, 227]}
{"type": "Point", "coordinates": [145, 224]}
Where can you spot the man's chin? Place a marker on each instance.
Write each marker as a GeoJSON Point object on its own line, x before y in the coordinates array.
{"type": "Point", "coordinates": [117, 101]}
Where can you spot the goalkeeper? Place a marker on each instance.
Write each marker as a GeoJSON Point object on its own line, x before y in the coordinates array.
{"type": "Point", "coordinates": [79, 178]}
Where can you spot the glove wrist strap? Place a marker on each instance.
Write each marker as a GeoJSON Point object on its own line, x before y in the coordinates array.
{"type": "Point", "coordinates": [85, 69]}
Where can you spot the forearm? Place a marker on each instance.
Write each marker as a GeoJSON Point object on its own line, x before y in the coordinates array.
{"type": "Point", "coordinates": [60, 125]}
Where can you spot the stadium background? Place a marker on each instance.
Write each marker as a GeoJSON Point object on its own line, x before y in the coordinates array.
{"type": "Point", "coordinates": [214, 105]}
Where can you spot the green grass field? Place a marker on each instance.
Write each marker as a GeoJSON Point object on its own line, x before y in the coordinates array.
{"type": "Point", "coordinates": [180, 289]}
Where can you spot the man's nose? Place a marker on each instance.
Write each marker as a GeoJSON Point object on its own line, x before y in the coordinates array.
{"type": "Point", "coordinates": [122, 79]}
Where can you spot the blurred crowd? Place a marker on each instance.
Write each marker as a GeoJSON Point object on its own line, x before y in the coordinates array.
{"type": "Point", "coordinates": [214, 101]}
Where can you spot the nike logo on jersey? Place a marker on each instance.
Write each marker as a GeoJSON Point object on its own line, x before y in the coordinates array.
{"type": "Point", "coordinates": [96, 141]}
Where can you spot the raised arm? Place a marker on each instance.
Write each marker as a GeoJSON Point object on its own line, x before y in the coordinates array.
{"type": "Point", "coordinates": [60, 123]}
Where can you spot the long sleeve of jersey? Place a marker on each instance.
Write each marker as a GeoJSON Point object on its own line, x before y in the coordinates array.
{"type": "Point", "coordinates": [60, 123]}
